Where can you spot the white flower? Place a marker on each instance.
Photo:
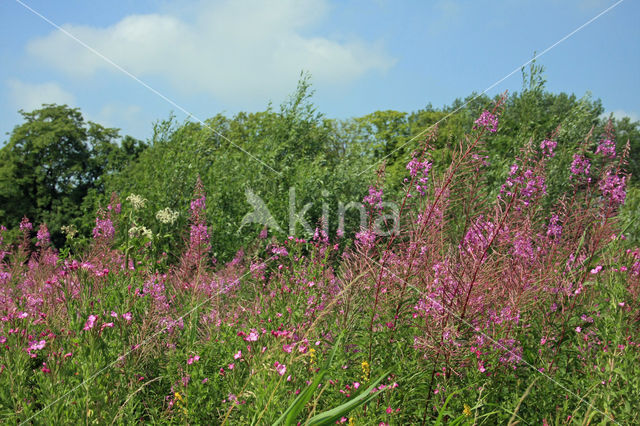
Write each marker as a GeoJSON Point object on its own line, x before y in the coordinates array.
{"type": "Point", "coordinates": [137, 202]}
{"type": "Point", "coordinates": [167, 216]}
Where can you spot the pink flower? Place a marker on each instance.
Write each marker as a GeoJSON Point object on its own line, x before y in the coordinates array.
{"type": "Point", "coordinates": [91, 321]}
{"type": "Point", "coordinates": [127, 316]}
{"type": "Point", "coordinates": [488, 121]}
{"type": "Point", "coordinates": [36, 346]}
{"type": "Point", "coordinates": [596, 269]}
{"type": "Point", "coordinates": [114, 314]}
{"type": "Point", "coordinates": [231, 366]}
{"type": "Point", "coordinates": [238, 355]}
{"type": "Point", "coordinates": [280, 368]}
{"type": "Point", "coordinates": [105, 325]}
{"type": "Point", "coordinates": [193, 359]}
{"type": "Point", "coordinates": [252, 336]}
{"type": "Point", "coordinates": [287, 348]}
{"type": "Point", "coordinates": [68, 355]}
{"type": "Point", "coordinates": [578, 329]}
{"type": "Point", "coordinates": [389, 410]}
{"type": "Point", "coordinates": [45, 369]}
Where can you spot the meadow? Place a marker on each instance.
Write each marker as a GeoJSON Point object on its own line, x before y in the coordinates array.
{"type": "Point", "coordinates": [480, 307]}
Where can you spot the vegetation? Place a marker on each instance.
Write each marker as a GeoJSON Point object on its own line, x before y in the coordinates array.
{"type": "Point", "coordinates": [495, 279]}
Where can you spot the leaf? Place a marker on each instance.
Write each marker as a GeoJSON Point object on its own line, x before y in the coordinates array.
{"type": "Point", "coordinates": [329, 417]}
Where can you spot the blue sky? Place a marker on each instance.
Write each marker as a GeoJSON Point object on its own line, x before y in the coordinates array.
{"type": "Point", "coordinates": [228, 56]}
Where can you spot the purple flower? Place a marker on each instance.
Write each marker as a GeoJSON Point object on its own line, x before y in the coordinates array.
{"type": "Point", "coordinates": [607, 148]}
{"type": "Point", "coordinates": [554, 230]}
{"type": "Point", "coordinates": [580, 165]}
{"type": "Point", "coordinates": [548, 147]}
{"type": "Point", "coordinates": [44, 238]}
{"type": "Point", "coordinates": [25, 225]}
{"type": "Point", "coordinates": [91, 321]}
{"type": "Point", "coordinates": [487, 121]}
{"type": "Point", "coordinates": [36, 346]}
{"type": "Point", "coordinates": [614, 187]}
{"type": "Point", "coordinates": [374, 199]}
{"type": "Point", "coordinates": [280, 368]}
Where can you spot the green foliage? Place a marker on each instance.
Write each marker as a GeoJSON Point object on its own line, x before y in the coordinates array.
{"type": "Point", "coordinates": [52, 161]}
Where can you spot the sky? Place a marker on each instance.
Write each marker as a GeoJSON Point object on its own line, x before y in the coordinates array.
{"type": "Point", "coordinates": [129, 63]}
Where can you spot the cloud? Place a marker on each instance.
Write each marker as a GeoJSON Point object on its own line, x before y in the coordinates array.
{"type": "Point", "coordinates": [28, 96]}
{"type": "Point", "coordinates": [232, 50]}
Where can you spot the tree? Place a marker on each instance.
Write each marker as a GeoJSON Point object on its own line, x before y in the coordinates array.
{"type": "Point", "coordinates": [51, 162]}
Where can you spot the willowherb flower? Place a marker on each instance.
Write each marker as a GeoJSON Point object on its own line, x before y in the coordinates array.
{"type": "Point", "coordinates": [280, 368]}
{"type": "Point", "coordinates": [607, 148]}
{"type": "Point", "coordinates": [37, 345]}
{"type": "Point", "coordinates": [25, 225]}
{"type": "Point", "coordinates": [366, 238]}
{"type": "Point", "coordinates": [104, 228]}
{"type": "Point", "coordinates": [43, 236]}
{"type": "Point", "coordinates": [91, 322]}
{"type": "Point", "coordinates": [554, 230]}
{"type": "Point", "coordinates": [137, 202]}
{"type": "Point", "coordinates": [167, 216]}
{"type": "Point", "coordinates": [487, 121]}
{"type": "Point", "coordinates": [415, 167]}
{"type": "Point", "coordinates": [614, 187]}
{"type": "Point", "coordinates": [547, 147]}
{"type": "Point", "coordinates": [580, 165]}
{"type": "Point", "coordinates": [374, 199]}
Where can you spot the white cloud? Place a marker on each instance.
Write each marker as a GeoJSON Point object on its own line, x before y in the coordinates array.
{"type": "Point", "coordinates": [28, 96]}
{"type": "Point", "coordinates": [232, 50]}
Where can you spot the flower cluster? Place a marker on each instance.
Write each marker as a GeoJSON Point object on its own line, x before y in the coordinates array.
{"type": "Point", "coordinates": [167, 216]}
{"type": "Point", "coordinates": [487, 121]}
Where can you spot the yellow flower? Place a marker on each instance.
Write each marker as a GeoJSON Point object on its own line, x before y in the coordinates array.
{"type": "Point", "coordinates": [366, 369]}
{"type": "Point", "coordinates": [178, 396]}
{"type": "Point", "coordinates": [352, 422]}
{"type": "Point", "coordinates": [467, 410]}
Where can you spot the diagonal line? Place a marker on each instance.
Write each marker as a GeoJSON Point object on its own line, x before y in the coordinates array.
{"type": "Point", "coordinates": [496, 83]}
{"type": "Point", "coordinates": [468, 324]}
{"type": "Point", "coordinates": [144, 342]}
{"type": "Point", "coordinates": [147, 86]}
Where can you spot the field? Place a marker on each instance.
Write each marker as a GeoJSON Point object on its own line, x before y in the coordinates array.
{"type": "Point", "coordinates": [459, 305]}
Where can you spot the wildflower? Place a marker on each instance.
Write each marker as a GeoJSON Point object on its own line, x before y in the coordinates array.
{"type": "Point", "coordinates": [374, 199]}
{"type": "Point", "coordinates": [554, 230]}
{"type": "Point", "coordinates": [389, 410]}
{"type": "Point", "coordinates": [25, 225]}
{"type": "Point", "coordinates": [127, 316]}
{"type": "Point", "coordinates": [487, 121]}
{"type": "Point", "coordinates": [193, 359]}
{"type": "Point", "coordinates": [91, 321]}
{"type": "Point", "coordinates": [287, 348]}
{"type": "Point", "coordinates": [580, 165]}
{"type": "Point", "coordinates": [252, 336]}
{"type": "Point", "coordinates": [137, 202]}
{"type": "Point", "coordinates": [607, 148]}
{"type": "Point", "coordinates": [548, 147]}
{"type": "Point", "coordinates": [167, 216]}
{"type": "Point", "coordinates": [36, 346]}
{"type": "Point", "coordinates": [105, 325]}
{"type": "Point", "coordinates": [237, 355]}
{"type": "Point", "coordinates": [104, 228]}
{"type": "Point", "coordinates": [466, 411]}
{"type": "Point", "coordinates": [596, 269]}
{"type": "Point", "coordinates": [578, 329]}
{"type": "Point", "coordinates": [69, 230]}
{"type": "Point", "coordinates": [43, 236]}
{"type": "Point", "coordinates": [366, 370]}
{"type": "Point", "coordinates": [614, 187]}
{"type": "Point", "coordinates": [280, 368]}
{"type": "Point", "coordinates": [45, 369]}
